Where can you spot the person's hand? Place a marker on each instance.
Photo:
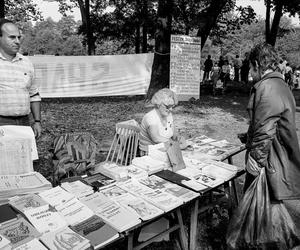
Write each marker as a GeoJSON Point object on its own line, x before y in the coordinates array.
{"type": "Point", "coordinates": [37, 129]}
{"type": "Point", "coordinates": [252, 166]}
{"type": "Point", "coordinates": [175, 137]}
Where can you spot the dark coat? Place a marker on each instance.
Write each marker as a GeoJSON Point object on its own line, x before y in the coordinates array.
{"type": "Point", "coordinates": [272, 139]}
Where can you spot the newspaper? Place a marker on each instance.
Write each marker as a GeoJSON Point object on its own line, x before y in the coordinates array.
{"type": "Point", "coordinates": [23, 181]}
{"type": "Point", "coordinates": [15, 156]}
{"type": "Point", "coordinates": [21, 132]}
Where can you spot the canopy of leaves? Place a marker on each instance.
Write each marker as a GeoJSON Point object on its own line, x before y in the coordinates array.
{"type": "Point", "coordinates": [50, 37]}
{"type": "Point", "coordinates": [21, 10]}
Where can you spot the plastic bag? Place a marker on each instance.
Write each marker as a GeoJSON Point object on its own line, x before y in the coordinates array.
{"type": "Point", "coordinates": [257, 223]}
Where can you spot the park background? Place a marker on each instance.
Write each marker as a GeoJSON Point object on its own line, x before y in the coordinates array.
{"type": "Point", "coordinates": [126, 29]}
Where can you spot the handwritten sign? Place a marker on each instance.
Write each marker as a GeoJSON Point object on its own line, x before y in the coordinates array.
{"type": "Point", "coordinates": [185, 66]}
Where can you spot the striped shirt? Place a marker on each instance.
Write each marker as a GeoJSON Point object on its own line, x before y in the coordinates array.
{"type": "Point", "coordinates": [17, 86]}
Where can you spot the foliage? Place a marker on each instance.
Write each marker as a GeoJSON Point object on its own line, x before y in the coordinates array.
{"type": "Point", "coordinates": [21, 10]}
{"type": "Point", "coordinates": [231, 20]}
{"type": "Point", "coordinates": [289, 47]}
{"type": "Point", "coordinates": [52, 38]}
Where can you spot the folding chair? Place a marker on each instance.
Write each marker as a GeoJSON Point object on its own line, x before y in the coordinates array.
{"type": "Point", "coordinates": [124, 145]}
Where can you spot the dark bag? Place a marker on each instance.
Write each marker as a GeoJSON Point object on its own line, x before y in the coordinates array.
{"type": "Point", "coordinates": [73, 154]}
{"type": "Point", "coordinates": [259, 224]}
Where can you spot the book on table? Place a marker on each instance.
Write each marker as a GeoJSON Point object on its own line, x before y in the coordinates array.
{"type": "Point", "coordinates": [143, 209]}
{"type": "Point", "coordinates": [12, 185]}
{"type": "Point", "coordinates": [26, 202]}
{"type": "Point", "coordinates": [181, 180]}
{"type": "Point", "coordinates": [96, 231]}
{"type": "Point", "coordinates": [78, 188]}
{"type": "Point", "coordinates": [74, 211]}
{"type": "Point", "coordinates": [111, 212]}
{"type": "Point", "coordinates": [201, 177]}
{"type": "Point", "coordinates": [34, 244]}
{"type": "Point", "coordinates": [98, 181]}
{"type": "Point", "coordinates": [175, 155]}
{"type": "Point", "coordinates": [112, 170]}
{"type": "Point", "coordinates": [135, 172]}
{"type": "Point", "coordinates": [7, 214]}
{"type": "Point", "coordinates": [45, 219]}
{"type": "Point", "coordinates": [226, 145]}
{"type": "Point", "coordinates": [149, 164]}
{"type": "Point", "coordinates": [217, 169]}
{"type": "Point", "coordinates": [200, 140]}
{"type": "Point", "coordinates": [205, 151]}
{"type": "Point", "coordinates": [65, 239]}
{"type": "Point", "coordinates": [4, 243]}
{"type": "Point", "coordinates": [56, 196]}
{"type": "Point", "coordinates": [158, 198]}
{"type": "Point", "coordinates": [158, 183]}
{"type": "Point", "coordinates": [19, 231]}
{"type": "Point", "coordinates": [208, 148]}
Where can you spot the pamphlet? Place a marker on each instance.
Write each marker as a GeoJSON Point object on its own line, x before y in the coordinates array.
{"type": "Point", "coordinates": [15, 155]}
{"type": "Point", "coordinates": [25, 132]}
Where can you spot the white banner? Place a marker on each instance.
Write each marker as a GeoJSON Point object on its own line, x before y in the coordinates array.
{"type": "Point", "coordinates": [185, 66]}
{"type": "Point", "coordinates": [79, 76]}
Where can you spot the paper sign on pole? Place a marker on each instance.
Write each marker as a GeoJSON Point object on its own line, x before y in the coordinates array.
{"type": "Point", "coordinates": [185, 66]}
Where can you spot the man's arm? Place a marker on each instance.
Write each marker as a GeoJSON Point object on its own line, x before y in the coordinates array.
{"type": "Point", "coordinates": [36, 112]}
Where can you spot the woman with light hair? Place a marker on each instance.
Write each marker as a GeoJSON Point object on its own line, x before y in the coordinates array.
{"type": "Point", "coordinates": [157, 125]}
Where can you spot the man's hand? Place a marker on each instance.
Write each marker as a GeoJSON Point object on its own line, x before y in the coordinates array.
{"type": "Point", "coordinates": [252, 166]}
{"type": "Point", "coordinates": [37, 129]}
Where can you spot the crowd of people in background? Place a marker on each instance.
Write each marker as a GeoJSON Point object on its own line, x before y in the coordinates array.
{"type": "Point", "coordinates": [220, 72]}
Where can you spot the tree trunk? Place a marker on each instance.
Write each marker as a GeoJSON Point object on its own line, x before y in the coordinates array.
{"type": "Point", "coordinates": [2, 11]}
{"type": "Point", "coordinates": [208, 19]}
{"type": "Point", "coordinates": [271, 38]}
{"type": "Point", "coordinates": [161, 63]}
{"type": "Point", "coordinates": [145, 25]}
{"type": "Point", "coordinates": [268, 15]}
{"type": "Point", "coordinates": [89, 32]}
{"type": "Point", "coordinates": [137, 38]}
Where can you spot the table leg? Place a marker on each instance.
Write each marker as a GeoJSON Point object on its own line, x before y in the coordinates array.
{"type": "Point", "coordinates": [193, 225]}
{"type": "Point", "coordinates": [230, 161]}
{"type": "Point", "coordinates": [130, 241]}
{"type": "Point", "coordinates": [182, 233]}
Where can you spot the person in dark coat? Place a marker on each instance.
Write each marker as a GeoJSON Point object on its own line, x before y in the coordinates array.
{"type": "Point", "coordinates": [272, 139]}
{"type": "Point", "coordinates": [245, 68]}
{"type": "Point", "coordinates": [208, 64]}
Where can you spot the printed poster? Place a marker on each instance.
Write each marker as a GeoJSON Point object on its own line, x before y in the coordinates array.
{"type": "Point", "coordinates": [185, 66]}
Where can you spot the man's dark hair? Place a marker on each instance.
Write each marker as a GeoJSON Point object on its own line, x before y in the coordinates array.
{"type": "Point", "coordinates": [264, 56]}
{"type": "Point", "coordinates": [2, 22]}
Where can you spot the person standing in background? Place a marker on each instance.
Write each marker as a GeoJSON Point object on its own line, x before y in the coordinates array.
{"type": "Point", "coordinates": [18, 90]}
{"type": "Point", "coordinates": [237, 64]}
{"type": "Point", "coordinates": [208, 64]}
{"type": "Point", "coordinates": [245, 69]}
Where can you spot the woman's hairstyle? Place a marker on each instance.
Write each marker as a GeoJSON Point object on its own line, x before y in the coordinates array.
{"type": "Point", "coordinates": [164, 96]}
{"type": "Point", "coordinates": [263, 56]}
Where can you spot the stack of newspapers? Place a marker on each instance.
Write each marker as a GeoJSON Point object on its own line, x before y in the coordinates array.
{"type": "Point", "coordinates": [12, 185]}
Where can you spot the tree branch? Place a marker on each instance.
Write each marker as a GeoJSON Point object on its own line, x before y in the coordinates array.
{"type": "Point", "coordinates": [208, 18]}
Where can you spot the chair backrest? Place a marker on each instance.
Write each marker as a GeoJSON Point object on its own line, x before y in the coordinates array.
{"type": "Point", "coordinates": [124, 145]}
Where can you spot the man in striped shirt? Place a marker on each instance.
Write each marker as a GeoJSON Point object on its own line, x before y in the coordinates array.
{"type": "Point", "coordinates": [18, 91]}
